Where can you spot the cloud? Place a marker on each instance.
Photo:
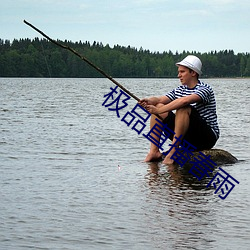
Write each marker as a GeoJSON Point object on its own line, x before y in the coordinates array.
{"type": "Point", "coordinates": [221, 2]}
{"type": "Point", "coordinates": [152, 24]}
{"type": "Point", "coordinates": [149, 2]}
{"type": "Point", "coordinates": [83, 6]}
{"type": "Point", "coordinates": [224, 5]}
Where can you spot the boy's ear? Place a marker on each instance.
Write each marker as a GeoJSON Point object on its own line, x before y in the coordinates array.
{"type": "Point", "coordinates": [193, 73]}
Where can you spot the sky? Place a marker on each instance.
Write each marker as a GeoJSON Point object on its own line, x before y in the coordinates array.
{"type": "Point", "coordinates": [155, 25]}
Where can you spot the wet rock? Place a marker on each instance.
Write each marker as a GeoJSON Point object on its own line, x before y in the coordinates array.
{"type": "Point", "coordinates": [219, 156]}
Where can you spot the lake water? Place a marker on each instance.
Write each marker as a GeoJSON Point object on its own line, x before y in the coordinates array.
{"type": "Point", "coordinates": [72, 174]}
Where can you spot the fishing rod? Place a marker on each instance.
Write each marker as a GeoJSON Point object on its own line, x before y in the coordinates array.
{"type": "Point", "coordinates": [84, 59]}
{"type": "Point", "coordinates": [87, 61]}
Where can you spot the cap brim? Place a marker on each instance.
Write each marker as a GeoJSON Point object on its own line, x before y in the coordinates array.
{"type": "Point", "coordinates": [187, 65]}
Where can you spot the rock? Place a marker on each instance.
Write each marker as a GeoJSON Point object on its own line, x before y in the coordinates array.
{"type": "Point", "coordinates": [219, 156]}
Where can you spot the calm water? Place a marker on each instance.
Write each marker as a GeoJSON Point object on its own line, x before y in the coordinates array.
{"type": "Point", "coordinates": [72, 175]}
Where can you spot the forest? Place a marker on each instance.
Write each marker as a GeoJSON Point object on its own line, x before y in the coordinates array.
{"type": "Point", "coordinates": [41, 58]}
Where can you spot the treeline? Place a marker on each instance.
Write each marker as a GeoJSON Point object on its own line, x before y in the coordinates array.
{"type": "Point", "coordinates": [41, 58]}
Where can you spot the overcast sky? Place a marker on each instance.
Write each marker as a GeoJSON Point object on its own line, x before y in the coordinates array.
{"type": "Point", "coordinates": [157, 25]}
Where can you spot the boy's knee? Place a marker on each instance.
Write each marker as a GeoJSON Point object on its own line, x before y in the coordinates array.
{"type": "Point", "coordinates": [159, 105]}
{"type": "Point", "coordinates": [184, 110]}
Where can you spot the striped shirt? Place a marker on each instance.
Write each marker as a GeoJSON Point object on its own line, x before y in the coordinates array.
{"type": "Point", "coordinates": [206, 108]}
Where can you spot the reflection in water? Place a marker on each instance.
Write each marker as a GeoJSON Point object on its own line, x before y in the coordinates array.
{"type": "Point", "coordinates": [185, 201]}
{"type": "Point", "coordinates": [176, 177]}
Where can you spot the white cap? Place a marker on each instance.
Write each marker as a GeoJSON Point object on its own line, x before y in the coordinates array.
{"type": "Point", "coordinates": [191, 62]}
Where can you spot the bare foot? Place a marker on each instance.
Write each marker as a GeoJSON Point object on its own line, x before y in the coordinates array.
{"type": "Point", "coordinates": [153, 156]}
{"type": "Point", "coordinates": [168, 160]}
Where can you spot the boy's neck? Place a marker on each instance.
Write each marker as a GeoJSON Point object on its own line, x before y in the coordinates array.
{"type": "Point", "coordinates": [192, 84]}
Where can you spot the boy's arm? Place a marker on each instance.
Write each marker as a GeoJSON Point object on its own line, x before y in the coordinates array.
{"type": "Point", "coordinates": [176, 104]}
{"type": "Point", "coordinates": [154, 100]}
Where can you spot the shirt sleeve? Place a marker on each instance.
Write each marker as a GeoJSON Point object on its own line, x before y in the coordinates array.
{"type": "Point", "coordinates": [171, 95]}
{"type": "Point", "coordinates": [205, 94]}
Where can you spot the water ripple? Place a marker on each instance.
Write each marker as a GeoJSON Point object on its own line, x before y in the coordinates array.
{"type": "Point", "coordinates": [72, 174]}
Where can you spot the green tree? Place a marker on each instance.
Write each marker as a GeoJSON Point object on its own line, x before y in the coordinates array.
{"type": "Point", "coordinates": [247, 69]}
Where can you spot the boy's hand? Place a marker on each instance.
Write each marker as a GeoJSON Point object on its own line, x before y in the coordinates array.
{"type": "Point", "coordinates": [152, 109]}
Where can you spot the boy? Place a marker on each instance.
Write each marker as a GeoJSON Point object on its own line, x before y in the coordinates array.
{"type": "Point", "coordinates": [195, 118]}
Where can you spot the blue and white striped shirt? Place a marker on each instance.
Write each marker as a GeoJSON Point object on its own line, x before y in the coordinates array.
{"type": "Point", "coordinates": [206, 108]}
